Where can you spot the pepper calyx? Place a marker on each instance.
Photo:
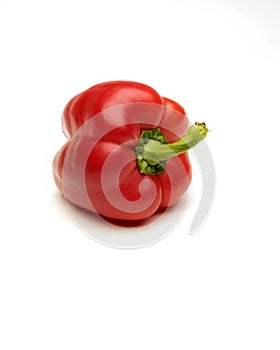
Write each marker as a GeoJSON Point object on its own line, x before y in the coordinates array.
{"type": "Point", "coordinates": [146, 165]}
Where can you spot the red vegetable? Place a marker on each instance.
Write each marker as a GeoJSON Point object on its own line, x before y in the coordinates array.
{"type": "Point", "coordinates": [126, 154]}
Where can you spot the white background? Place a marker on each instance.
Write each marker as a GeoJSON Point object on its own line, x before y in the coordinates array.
{"type": "Point", "coordinates": [217, 289]}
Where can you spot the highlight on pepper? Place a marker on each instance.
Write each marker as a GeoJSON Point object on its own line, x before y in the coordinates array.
{"type": "Point", "coordinates": [126, 155]}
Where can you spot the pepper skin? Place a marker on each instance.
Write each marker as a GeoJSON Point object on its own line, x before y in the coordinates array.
{"type": "Point", "coordinates": [125, 193]}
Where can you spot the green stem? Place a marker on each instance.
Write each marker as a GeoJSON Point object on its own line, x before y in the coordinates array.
{"type": "Point", "coordinates": [153, 151]}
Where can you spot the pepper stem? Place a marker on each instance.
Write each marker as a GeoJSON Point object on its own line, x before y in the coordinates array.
{"type": "Point", "coordinates": [153, 150]}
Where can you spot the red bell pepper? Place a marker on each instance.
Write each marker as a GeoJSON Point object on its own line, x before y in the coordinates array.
{"type": "Point", "coordinates": [126, 154]}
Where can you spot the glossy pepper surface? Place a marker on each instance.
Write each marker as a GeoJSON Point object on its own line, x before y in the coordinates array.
{"type": "Point", "coordinates": [126, 154]}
